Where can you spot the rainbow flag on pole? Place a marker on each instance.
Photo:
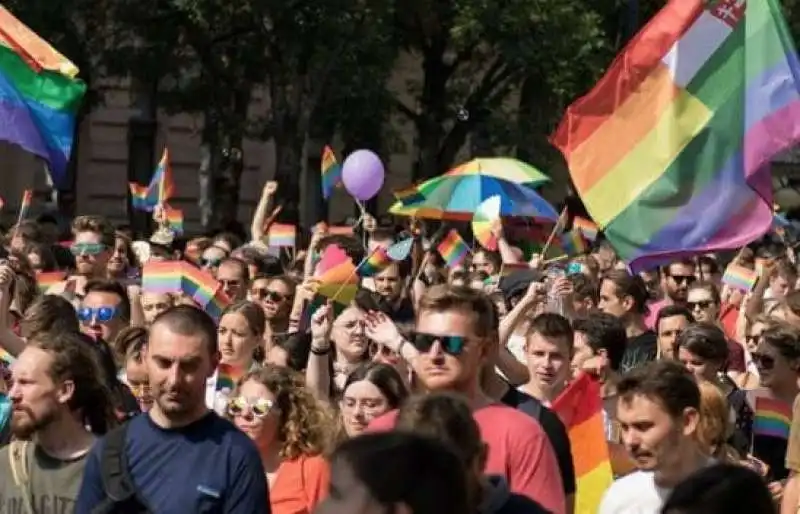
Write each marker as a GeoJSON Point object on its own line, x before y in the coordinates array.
{"type": "Point", "coordinates": [331, 172]}
{"type": "Point", "coordinates": [160, 189]}
{"type": "Point", "coordinates": [453, 249]}
{"type": "Point", "coordinates": [39, 95]}
{"type": "Point", "coordinates": [580, 408]}
{"type": "Point", "coordinates": [670, 151]}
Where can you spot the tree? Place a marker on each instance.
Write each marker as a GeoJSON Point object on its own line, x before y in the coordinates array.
{"type": "Point", "coordinates": [473, 55]}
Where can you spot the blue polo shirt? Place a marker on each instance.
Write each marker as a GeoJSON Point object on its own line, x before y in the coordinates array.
{"type": "Point", "coordinates": [206, 467]}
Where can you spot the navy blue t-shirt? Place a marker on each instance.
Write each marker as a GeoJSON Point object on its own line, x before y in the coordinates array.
{"type": "Point", "coordinates": [207, 467]}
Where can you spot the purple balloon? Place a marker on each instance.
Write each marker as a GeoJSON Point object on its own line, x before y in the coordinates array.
{"type": "Point", "coordinates": [362, 174]}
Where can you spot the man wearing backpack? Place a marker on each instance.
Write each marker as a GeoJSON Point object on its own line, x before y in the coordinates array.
{"type": "Point", "coordinates": [180, 457]}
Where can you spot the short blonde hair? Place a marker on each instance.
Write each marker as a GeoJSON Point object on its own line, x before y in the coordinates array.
{"type": "Point", "coordinates": [98, 225]}
{"type": "Point", "coordinates": [715, 426]}
{"type": "Point", "coordinates": [445, 297]}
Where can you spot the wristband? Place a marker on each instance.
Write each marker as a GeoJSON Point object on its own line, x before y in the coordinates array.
{"type": "Point", "coordinates": [321, 351]}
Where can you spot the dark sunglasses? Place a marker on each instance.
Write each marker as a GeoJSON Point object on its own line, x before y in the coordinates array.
{"type": "Point", "coordinates": [763, 361]}
{"type": "Point", "coordinates": [263, 294]}
{"type": "Point", "coordinates": [705, 304]}
{"type": "Point", "coordinates": [684, 279]}
{"type": "Point", "coordinates": [99, 315]}
{"type": "Point", "coordinates": [753, 338]}
{"type": "Point", "coordinates": [452, 345]}
{"type": "Point", "coordinates": [87, 249]}
{"type": "Point", "coordinates": [260, 407]}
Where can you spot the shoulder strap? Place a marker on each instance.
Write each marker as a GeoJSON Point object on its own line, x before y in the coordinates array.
{"type": "Point", "coordinates": [531, 407]}
{"type": "Point", "coordinates": [18, 456]}
{"type": "Point", "coordinates": [117, 481]}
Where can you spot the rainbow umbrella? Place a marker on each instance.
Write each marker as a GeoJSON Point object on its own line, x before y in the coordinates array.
{"type": "Point", "coordinates": [504, 168]}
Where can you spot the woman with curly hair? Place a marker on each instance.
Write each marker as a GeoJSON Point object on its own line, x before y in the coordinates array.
{"type": "Point", "coordinates": [290, 429]}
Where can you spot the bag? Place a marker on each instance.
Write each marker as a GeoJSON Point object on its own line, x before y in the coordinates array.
{"type": "Point", "coordinates": [121, 495]}
{"type": "Point", "coordinates": [18, 458]}
{"type": "Point", "coordinates": [532, 407]}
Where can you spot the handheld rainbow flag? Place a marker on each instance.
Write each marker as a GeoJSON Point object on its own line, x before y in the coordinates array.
{"type": "Point", "coordinates": [453, 249]}
{"type": "Point", "coordinates": [739, 277]}
{"type": "Point", "coordinates": [46, 279]}
{"type": "Point", "coordinates": [670, 151]}
{"type": "Point", "coordinates": [483, 222]}
{"type": "Point", "coordinates": [174, 219]}
{"type": "Point", "coordinates": [375, 262]}
{"type": "Point", "coordinates": [40, 93]}
{"type": "Point", "coordinates": [25, 204]}
{"type": "Point", "coordinates": [587, 228]}
{"type": "Point", "coordinates": [139, 197]}
{"type": "Point", "coordinates": [198, 284]}
{"type": "Point", "coordinates": [580, 408]}
{"type": "Point", "coordinates": [773, 418]}
{"type": "Point", "coordinates": [219, 302]}
{"type": "Point", "coordinates": [572, 243]}
{"type": "Point", "coordinates": [336, 275]}
{"type": "Point", "coordinates": [162, 277]}
{"type": "Point", "coordinates": [281, 235]}
{"type": "Point", "coordinates": [227, 377]}
{"type": "Point", "coordinates": [160, 189]}
{"type": "Point", "coordinates": [331, 172]}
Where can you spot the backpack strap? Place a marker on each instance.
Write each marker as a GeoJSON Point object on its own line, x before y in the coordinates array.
{"type": "Point", "coordinates": [532, 407]}
{"type": "Point", "coordinates": [18, 457]}
{"type": "Point", "coordinates": [117, 481]}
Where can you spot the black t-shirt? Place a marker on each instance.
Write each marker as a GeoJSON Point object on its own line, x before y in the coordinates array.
{"type": "Point", "coordinates": [640, 350]}
{"type": "Point", "coordinates": [552, 426]}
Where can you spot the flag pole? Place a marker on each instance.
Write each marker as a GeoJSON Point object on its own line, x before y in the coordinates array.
{"type": "Point", "coordinates": [557, 228]}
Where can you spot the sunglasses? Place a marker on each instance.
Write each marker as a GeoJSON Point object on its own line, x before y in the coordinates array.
{"type": "Point", "coordinates": [99, 315]}
{"type": "Point", "coordinates": [753, 338]}
{"type": "Point", "coordinates": [263, 294]}
{"type": "Point", "coordinates": [210, 263]}
{"type": "Point", "coordinates": [705, 304]}
{"type": "Point", "coordinates": [763, 361]}
{"type": "Point", "coordinates": [259, 408]}
{"type": "Point", "coordinates": [684, 279]}
{"type": "Point", "coordinates": [87, 249]}
{"type": "Point", "coordinates": [451, 345]}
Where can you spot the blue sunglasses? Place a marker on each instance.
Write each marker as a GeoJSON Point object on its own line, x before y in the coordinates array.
{"type": "Point", "coordinates": [99, 315]}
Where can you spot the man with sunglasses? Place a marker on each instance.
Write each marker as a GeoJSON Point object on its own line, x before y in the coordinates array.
{"type": "Point", "coordinates": [92, 246]}
{"type": "Point", "coordinates": [105, 310]}
{"type": "Point", "coordinates": [675, 282]}
{"type": "Point", "coordinates": [456, 332]}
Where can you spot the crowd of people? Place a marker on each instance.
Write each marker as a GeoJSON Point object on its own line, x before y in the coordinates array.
{"type": "Point", "coordinates": [430, 393]}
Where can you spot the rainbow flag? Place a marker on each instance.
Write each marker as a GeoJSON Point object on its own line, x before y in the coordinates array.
{"type": "Point", "coordinates": [46, 279]}
{"type": "Point", "coordinates": [572, 243]}
{"type": "Point", "coordinates": [200, 285]}
{"type": "Point", "coordinates": [174, 219]}
{"type": "Point", "coordinates": [27, 198]}
{"type": "Point", "coordinates": [228, 376]}
{"type": "Point", "coordinates": [219, 302]}
{"type": "Point", "coordinates": [375, 262]}
{"type": "Point", "coordinates": [739, 277]}
{"type": "Point", "coordinates": [453, 249]}
{"type": "Point", "coordinates": [140, 197]}
{"type": "Point", "coordinates": [773, 418]}
{"type": "Point", "coordinates": [336, 275]}
{"type": "Point", "coordinates": [162, 277]}
{"type": "Point", "coordinates": [39, 96]}
{"type": "Point", "coordinates": [586, 227]}
{"type": "Point", "coordinates": [580, 408]}
{"type": "Point", "coordinates": [670, 151]}
{"type": "Point", "coordinates": [160, 189]}
{"type": "Point", "coordinates": [282, 235]}
{"type": "Point", "coordinates": [331, 172]}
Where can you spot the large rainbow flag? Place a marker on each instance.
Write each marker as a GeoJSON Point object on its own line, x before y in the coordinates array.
{"type": "Point", "coordinates": [581, 410]}
{"type": "Point", "coordinates": [39, 95]}
{"type": "Point", "coordinates": [670, 151]}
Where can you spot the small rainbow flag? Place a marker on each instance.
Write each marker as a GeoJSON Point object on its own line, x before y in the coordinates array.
{"type": "Point", "coordinates": [340, 230]}
{"type": "Point", "coordinates": [586, 227]}
{"type": "Point", "coordinates": [281, 235]}
{"type": "Point", "coordinates": [228, 376]}
{"type": "Point", "coordinates": [140, 197]}
{"type": "Point", "coordinates": [740, 278]}
{"type": "Point", "coordinates": [580, 408]}
{"type": "Point", "coordinates": [159, 190]}
{"type": "Point", "coordinates": [219, 302]}
{"type": "Point", "coordinates": [337, 275]}
{"type": "Point", "coordinates": [572, 243]}
{"type": "Point", "coordinates": [376, 262]}
{"type": "Point", "coordinates": [162, 277]}
{"type": "Point", "coordinates": [773, 418]}
{"type": "Point", "coordinates": [47, 279]}
{"type": "Point", "coordinates": [200, 285]}
{"type": "Point", "coordinates": [27, 200]}
{"type": "Point", "coordinates": [453, 249]}
{"type": "Point", "coordinates": [331, 172]}
{"type": "Point", "coordinates": [174, 219]}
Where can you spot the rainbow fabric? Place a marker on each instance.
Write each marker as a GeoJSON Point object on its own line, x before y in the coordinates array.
{"type": "Point", "coordinates": [740, 278]}
{"type": "Point", "coordinates": [409, 196]}
{"type": "Point", "coordinates": [46, 279]}
{"type": "Point", "coordinates": [200, 285]}
{"type": "Point", "coordinates": [336, 275]}
{"type": "Point", "coordinates": [6, 358]}
{"type": "Point", "coordinates": [160, 189]}
{"type": "Point", "coordinates": [281, 235]}
{"type": "Point", "coordinates": [773, 418]}
{"type": "Point", "coordinates": [219, 302]}
{"type": "Point", "coordinates": [39, 96]}
{"type": "Point", "coordinates": [25, 203]}
{"type": "Point", "coordinates": [162, 277]}
{"type": "Point", "coordinates": [580, 408]}
{"type": "Point", "coordinates": [670, 151]}
{"type": "Point", "coordinates": [174, 219]}
{"type": "Point", "coordinates": [586, 227]}
{"type": "Point", "coordinates": [227, 377]}
{"type": "Point", "coordinates": [331, 172]}
{"type": "Point", "coordinates": [572, 243]}
{"type": "Point", "coordinates": [453, 249]}
{"type": "Point", "coordinates": [508, 268]}
{"type": "Point", "coordinates": [375, 262]}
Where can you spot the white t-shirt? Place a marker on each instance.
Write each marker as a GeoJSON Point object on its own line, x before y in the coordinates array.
{"type": "Point", "coordinates": [636, 493]}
